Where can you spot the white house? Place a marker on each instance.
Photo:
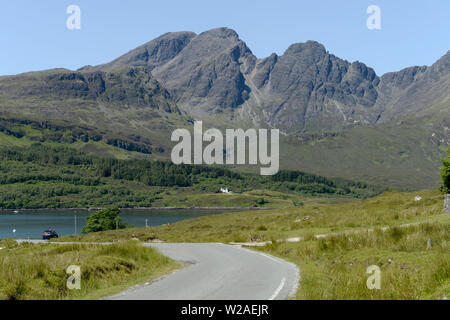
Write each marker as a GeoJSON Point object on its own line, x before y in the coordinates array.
{"type": "Point", "coordinates": [224, 190]}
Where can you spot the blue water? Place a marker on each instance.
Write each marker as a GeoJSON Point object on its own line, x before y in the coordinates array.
{"type": "Point", "coordinates": [32, 224]}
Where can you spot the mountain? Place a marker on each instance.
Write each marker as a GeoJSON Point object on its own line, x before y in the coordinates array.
{"type": "Point", "coordinates": [416, 90]}
{"type": "Point", "coordinates": [124, 107]}
{"type": "Point", "coordinates": [306, 89]}
{"type": "Point", "coordinates": [203, 73]}
{"type": "Point", "coordinates": [337, 118]}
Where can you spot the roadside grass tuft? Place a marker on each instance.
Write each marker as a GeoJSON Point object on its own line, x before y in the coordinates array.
{"type": "Point", "coordinates": [38, 271]}
{"type": "Point", "coordinates": [335, 267]}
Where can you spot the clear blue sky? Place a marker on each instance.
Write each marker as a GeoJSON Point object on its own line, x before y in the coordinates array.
{"type": "Point", "coordinates": [33, 34]}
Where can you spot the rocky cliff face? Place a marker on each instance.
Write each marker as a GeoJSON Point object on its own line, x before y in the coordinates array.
{"type": "Point", "coordinates": [417, 91]}
{"type": "Point", "coordinates": [208, 75]}
{"type": "Point", "coordinates": [154, 53]}
{"type": "Point", "coordinates": [306, 89]}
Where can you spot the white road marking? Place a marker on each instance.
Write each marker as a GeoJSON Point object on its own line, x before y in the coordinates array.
{"type": "Point", "coordinates": [269, 257]}
{"type": "Point", "coordinates": [280, 287]}
{"type": "Point", "coordinates": [262, 254]}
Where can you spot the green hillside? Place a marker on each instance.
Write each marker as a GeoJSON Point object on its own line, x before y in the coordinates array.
{"type": "Point", "coordinates": [405, 157]}
{"type": "Point", "coordinates": [58, 176]}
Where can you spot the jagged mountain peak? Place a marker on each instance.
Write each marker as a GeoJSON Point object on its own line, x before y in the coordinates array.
{"type": "Point", "coordinates": [304, 89]}
{"type": "Point", "coordinates": [214, 41]}
{"type": "Point", "coordinates": [166, 47]}
{"type": "Point", "coordinates": [306, 48]}
{"type": "Point", "coordinates": [222, 32]}
{"type": "Point", "coordinates": [208, 73]}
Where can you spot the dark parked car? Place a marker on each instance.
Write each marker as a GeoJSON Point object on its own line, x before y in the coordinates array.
{"type": "Point", "coordinates": [49, 233]}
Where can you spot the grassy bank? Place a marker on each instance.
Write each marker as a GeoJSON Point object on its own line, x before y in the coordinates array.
{"type": "Point", "coordinates": [314, 217]}
{"type": "Point", "coordinates": [38, 271]}
{"type": "Point", "coordinates": [334, 267]}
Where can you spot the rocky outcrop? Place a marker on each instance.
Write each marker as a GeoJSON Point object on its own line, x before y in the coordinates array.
{"type": "Point", "coordinates": [306, 89]}
{"type": "Point", "coordinates": [208, 75]}
{"type": "Point", "coordinates": [153, 53]}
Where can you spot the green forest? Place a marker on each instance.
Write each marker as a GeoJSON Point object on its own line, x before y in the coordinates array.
{"type": "Point", "coordinates": [45, 176]}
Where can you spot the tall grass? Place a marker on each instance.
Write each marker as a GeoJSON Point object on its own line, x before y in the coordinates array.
{"type": "Point", "coordinates": [38, 271]}
{"type": "Point", "coordinates": [335, 267]}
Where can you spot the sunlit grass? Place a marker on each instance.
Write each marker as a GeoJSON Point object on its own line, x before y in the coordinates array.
{"type": "Point", "coordinates": [390, 208]}
{"type": "Point", "coordinates": [38, 271]}
{"type": "Point", "coordinates": [335, 267]}
{"type": "Point", "coordinates": [390, 231]}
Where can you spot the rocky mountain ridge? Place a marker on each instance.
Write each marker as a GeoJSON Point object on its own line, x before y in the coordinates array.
{"type": "Point", "coordinates": [306, 89]}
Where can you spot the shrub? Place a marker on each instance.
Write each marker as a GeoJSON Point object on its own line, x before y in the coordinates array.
{"type": "Point", "coordinates": [102, 220]}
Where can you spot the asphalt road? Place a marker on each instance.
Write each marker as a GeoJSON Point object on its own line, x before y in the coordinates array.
{"type": "Point", "coordinates": [218, 271]}
{"type": "Point", "coordinates": [215, 271]}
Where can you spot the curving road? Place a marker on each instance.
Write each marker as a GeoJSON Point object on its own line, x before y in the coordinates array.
{"type": "Point", "coordinates": [218, 271]}
{"type": "Point", "coordinates": [215, 271]}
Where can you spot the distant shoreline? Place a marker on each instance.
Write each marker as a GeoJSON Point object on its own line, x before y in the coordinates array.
{"type": "Point", "coordinates": [127, 209]}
